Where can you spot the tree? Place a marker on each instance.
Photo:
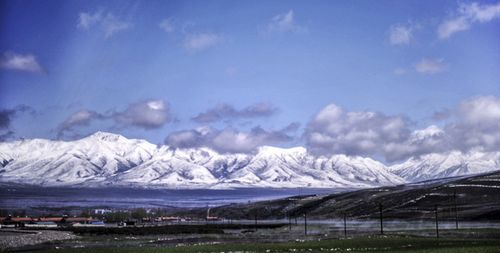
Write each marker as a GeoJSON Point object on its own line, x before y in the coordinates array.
{"type": "Point", "coordinates": [139, 213]}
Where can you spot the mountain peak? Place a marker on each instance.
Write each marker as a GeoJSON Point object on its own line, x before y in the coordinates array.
{"type": "Point", "coordinates": [278, 151]}
{"type": "Point", "coordinates": [105, 136]}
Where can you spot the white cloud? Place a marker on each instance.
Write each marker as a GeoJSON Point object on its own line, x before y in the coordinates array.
{"type": "Point", "coordinates": [480, 110]}
{"type": "Point", "coordinates": [167, 25]}
{"type": "Point", "coordinates": [466, 16]}
{"type": "Point", "coordinates": [201, 41]}
{"type": "Point", "coordinates": [108, 23]}
{"type": "Point", "coordinates": [481, 13]}
{"type": "Point", "coordinates": [474, 125]}
{"type": "Point", "coordinates": [477, 124]}
{"type": "Point", "coordinates": [87, 20]}
{"type": "Point", "coordinates": [449, 27]}
{"type": "Point", "coordinates": [400, 34]}
{"type": "Point", "coordinates": [149, 114]}
{"type": "Point", "coordinates": [334, 130]}
{"type": "Point", "coordinates": [27, 62]}
{"type": "Point", "coordinates": [228, 140]}
{"type": "Point", "coordinates": [284, 22]}
{"type": "Point", "coordinates": [113, 25]}
{"type": "Point", "coordinates": [78, 119]}
{"type": "Point", "coordinates": [430, 66]}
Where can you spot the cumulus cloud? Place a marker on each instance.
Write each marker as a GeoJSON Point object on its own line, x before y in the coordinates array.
{"type": "Point", "coordinates": [108, 23]}
{"type": "Point", "coordinates": [400, 34]}
{"type": "Point", "coordinates": [228, 140]}
{"type": "Point", "coordinates": [20, 62]}
{"type": "Point", "coordinates": [226, 111]}
{"type": "Point", "coordinates": [284, 22]}
{"type": "Point", "coordinates": [78, 119]}
{"type": "Point", "coordinates": [477, 125]}
{"type": "Point", "coordinates": [473, 125]}
{"type": "Point", "coordinates": [432, 139]}
{"type": "Point", "coordinates": [149, 114]}
{"type": "Point", "coordinates": [334, 130]}
{"type": "Point", "coordinates": [467, 15]}
{"type": "Point", "coordinates": [430, 66]}
{"type": "Point", "coordinates": [197, 42]}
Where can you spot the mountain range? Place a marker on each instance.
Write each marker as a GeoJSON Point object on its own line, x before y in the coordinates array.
{"type": "Point", "coordinates": [108, 160]}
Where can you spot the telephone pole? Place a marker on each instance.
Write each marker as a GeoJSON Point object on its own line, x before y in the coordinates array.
{"type": "Point", "coordinates": [437, 222]}
{"type": "Point", "coordinates": [305, 223]}
{"type": "Point", "coordinates": [345, 225]}
{"type": "Point", "coordinates": [455, 207]}
{"type": "Point", "coordinates": [380, 208]}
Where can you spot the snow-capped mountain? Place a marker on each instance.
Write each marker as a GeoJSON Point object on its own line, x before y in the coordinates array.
{"type": "Point", "coordinates": [105, 159]}
{"type": "Point", "coordinates": [450, 164]}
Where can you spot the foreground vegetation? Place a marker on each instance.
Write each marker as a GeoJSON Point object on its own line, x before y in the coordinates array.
{"type": "Point", "coordinates": [363, 244]}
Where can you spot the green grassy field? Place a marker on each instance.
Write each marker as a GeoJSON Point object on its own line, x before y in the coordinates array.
{"type": "Point", "coordinates": [364, 244]}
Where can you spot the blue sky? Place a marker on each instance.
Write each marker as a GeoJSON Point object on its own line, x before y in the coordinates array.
{"type": "Point", "coordinates": [261, 72]}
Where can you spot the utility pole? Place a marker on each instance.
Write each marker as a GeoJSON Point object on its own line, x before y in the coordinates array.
{"type": "Point", "coordinates": [255, 218]}
{"type": "Point", "coordinates": [305, 223]}
{"type": "Point", "coordinates": [437, 222]}
{"type": "Point", "coordinates": [455, 207]}
{"type": "Point", "coordinates": [380, 208]}
{"type": "Point", "coordinates": [345, 225]}
{"type": "Point", "coordinates": [289, 222]}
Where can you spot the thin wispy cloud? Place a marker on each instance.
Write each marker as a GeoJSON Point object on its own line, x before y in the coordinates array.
{"type": "Point", "coordinates": [400, 71]}
{"type": "Point", "coordinates": [88, 20]}
{"type": "Point", "coordinates": [401, 34]}
{"type": "Point", "coordinates": [108, 23]}
{"type": "Point", "coordinates": [20, 62]}
{"type": "Point", "coordinates": [197, 42]}
{"type": "Point", "coordinates": [167, 25]}
{"type": "Point", "coordinates": [467, 15]}
{"type": "Point", "coordinates": [228, 112]}
{"type": "Point", "coordinates": [284, 22]}
{"type": "Point", "coordinates": [112, 25]}
{"type": "Point", "coordinates": [430, 66]}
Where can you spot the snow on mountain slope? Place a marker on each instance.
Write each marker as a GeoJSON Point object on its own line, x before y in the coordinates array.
{"type": "Point", "coordinates": [451, 164]}
{"type": "Point", "coordinates": [95, 158]}
{"type": "Point", "coordinates": [105, 159]}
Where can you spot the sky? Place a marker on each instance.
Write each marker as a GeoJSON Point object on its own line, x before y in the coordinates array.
{"type": "Point", "coordinates": [383, 79]}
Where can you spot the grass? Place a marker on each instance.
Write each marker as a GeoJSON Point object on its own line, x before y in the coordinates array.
{"type": "Point", "coordinates": [364, 244]}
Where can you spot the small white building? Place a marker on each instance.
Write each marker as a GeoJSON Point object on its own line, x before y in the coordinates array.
{"type": "Point", "coordinates": [41, 224]}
